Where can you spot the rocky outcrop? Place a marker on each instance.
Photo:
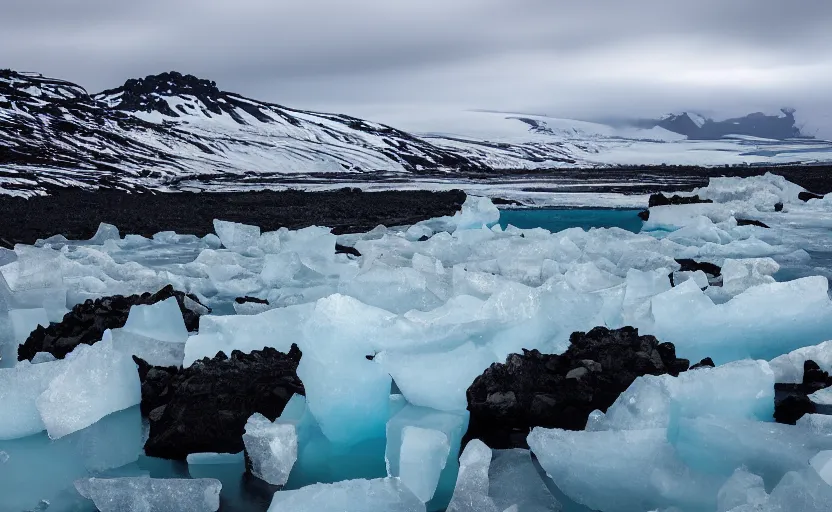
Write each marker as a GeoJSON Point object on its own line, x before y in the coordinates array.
{"type": "Point", "coordinates": [705, 363]}
{"type": "Point", "coordinates": [689, 265]}
{"type": "Point", "coordinates": [750, 222]}
{"type": "Point", "coordinates": [806, 196]}
{"type": "Point", "coordinates": [791, 401]}
{"type": "Point", "coordinates": [663, 200]}
{"type": "Point", "coordinates": [560, 391]}
{"type": "Point", "coordinates": [204, 408]}
{"type": "Point", "coordinates": [346, 249]}
{"type": "Point", "coordinates": [86, 322]}
{"type": "Point", "coordinates": [251, 300]}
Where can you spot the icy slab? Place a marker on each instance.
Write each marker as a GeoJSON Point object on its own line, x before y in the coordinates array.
{"type": "Point", "coordinates": [19, 389]}
{"type": "Point", "coordinates": [97, 380]}
{"type": "Point", "coordinates": [621, 471]}
{"type": "Point", "coordinates": [740, 275]}
{"type": "Point", "coordinates": [347, 394]}
{"type": "Point", "coordinates": [452, 425]}
{"type": "Point", "coordinates": [802, 491]}
{"type": "Point", "coordinates": [762, 192]}
{"type": "Point", "coordinates": [822, 397]}
{"type": "Point", "coordinates": [471, 491]}
{"type": "Point", "coordinates": [145, 494]}
{"type": "Point", "coordinates": [41, 469]}
{"type": "Point", "coordinates": [451, 374]}
{"type": "Point", "coordinates": [271, 447]}
{"type": "Point", "coordinates": [43, 357]}
{"type": "Point", "coordinates": [788, 368]}
{"type": "Point", "coordinates": [743, 488]}
{"type": "Point", "coordinates": [387, 494]}
{"type": "Point", "coordinates": [155, 352]}
{"type": "Point", "coordinates": [761, 323]}
{"type": "Point", "coordinates": [514, 481]}
{"type": "Point", "coordinates": [424, 454]}
{"type": "Point", "coordinates": [24, 321]}
{"type": "Point", "coordinates": [161, 321]}
{"type": "Point", "coordinates": [822, 463]}
{"type": "Point", "coordinates": [816, 423]}
{"type": "Point", "coordinates": [719, 446]}
{"type": "Point", "coordinates": [213, 459]}
{"type": "Point", "coordinates": [742, 389]}
{"type": "Point", "coordinates": [237, 237]}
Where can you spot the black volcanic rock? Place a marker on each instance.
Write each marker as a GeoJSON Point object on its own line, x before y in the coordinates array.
{"type": "Point", "coordinates": [778, 207]}
{"type": "Point", "coordinates": [345, 249]}
{"type": "Point", "coordinates": [560, 391]}
{"type": "Point", "coordinates": [86, 322]}
{"type": "Point", "coordinates": [749, 222]}
{"type": "Point", "coordinates": [253, 300]}
{"type": "Point", "coordinates": [806, 196]}
{"type": "Point", "coordinates": [644, 215]}
{"type": "Point", "coordinates": [663, 200]}
{"type": "Point", "coordinates": [689, 265]}
{"type": "Point", "coordinates": [705, 363]}
{"type": "Point", "coordinates": [204, 408]}
{"type": "Point", "coordinates": [791, 401]}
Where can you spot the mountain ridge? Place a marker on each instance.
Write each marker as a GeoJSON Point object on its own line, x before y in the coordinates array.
{"type": "Point", "coordinates": [171, 131]}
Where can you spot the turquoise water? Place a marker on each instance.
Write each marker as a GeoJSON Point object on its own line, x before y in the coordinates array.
{"type": "Point", "coordinates": [556, 220]}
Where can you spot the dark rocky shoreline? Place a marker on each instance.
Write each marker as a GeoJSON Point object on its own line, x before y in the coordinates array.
{"type": "Point", "coordinates": [76, 214]}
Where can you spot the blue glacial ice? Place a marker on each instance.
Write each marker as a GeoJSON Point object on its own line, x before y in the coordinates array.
{"type": "Point", "coordinates": [424, 319]}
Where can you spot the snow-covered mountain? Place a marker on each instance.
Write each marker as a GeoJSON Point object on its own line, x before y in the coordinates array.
{"type": "Point", "coordinates": [173, 131]}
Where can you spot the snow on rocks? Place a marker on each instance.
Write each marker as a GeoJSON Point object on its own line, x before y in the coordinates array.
{"type": "Point", "coordinates": [142, 494]}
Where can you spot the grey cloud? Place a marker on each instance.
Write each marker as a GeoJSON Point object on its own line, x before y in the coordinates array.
{"type": "Point", "coordinates": [639, 57]}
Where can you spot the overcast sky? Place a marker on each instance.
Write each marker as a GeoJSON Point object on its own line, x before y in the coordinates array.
{"type": "Point", "coordinates": [585, 59]}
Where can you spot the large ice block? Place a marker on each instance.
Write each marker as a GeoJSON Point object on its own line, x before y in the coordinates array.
{"type": "Point", "coordinates": [471, 491]}
{"type": "Point", "coordinates": [452, 425]}
{"type": "Point", "coordinates": [761, 323]}
{"type": "Point", "coordinates": [155, 352]}
{"type": "Point", "coordinates": [424, 454]}
{"type": "Point", "coordinates": [822, 463]}
{"type": "Point", "coordinates": [24, 321]}
{"type": "Point", "coordinates": [743, 488]}
{"type": "Point", "coordinates": [271, 447]}
{"type": "Point", "coordinates": [237, 237]}
{"type": "Point", "coordinates": [514, 481]}
{"type": "Point", "coordinates": [97, 380]}
{"type": "Point", "coordinates": [348, 395]}
{"type": "Point", "coordinates": [742, 389]}
{"type": "Point", "coordinates": [387, 494]}
{"type": "Point", "coordinates": [719, 446]}
{"type": "Point", "coordinates": [145, 494]}
{"type": "Point", "coordinates": [19, 389]}
{"type": "Point", "coordinates": [621, 471]}
{"type": "Point", "coordinates": [161, 321]}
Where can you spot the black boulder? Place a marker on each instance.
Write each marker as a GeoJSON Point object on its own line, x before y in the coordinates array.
{"type": "Point", "coordinates": [791, 401]}
{"type": "Point", "coordinates": [560, 391]}
{"type": "Point", "coordinates": [204, 408]}
{"type": "Point", "coordinates": [663, 200]}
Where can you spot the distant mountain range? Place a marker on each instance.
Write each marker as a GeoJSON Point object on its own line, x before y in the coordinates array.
{"type": "Point", "coordinates": [697, 127]}
{"type": "Point", "coordinates": [178, 132]}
